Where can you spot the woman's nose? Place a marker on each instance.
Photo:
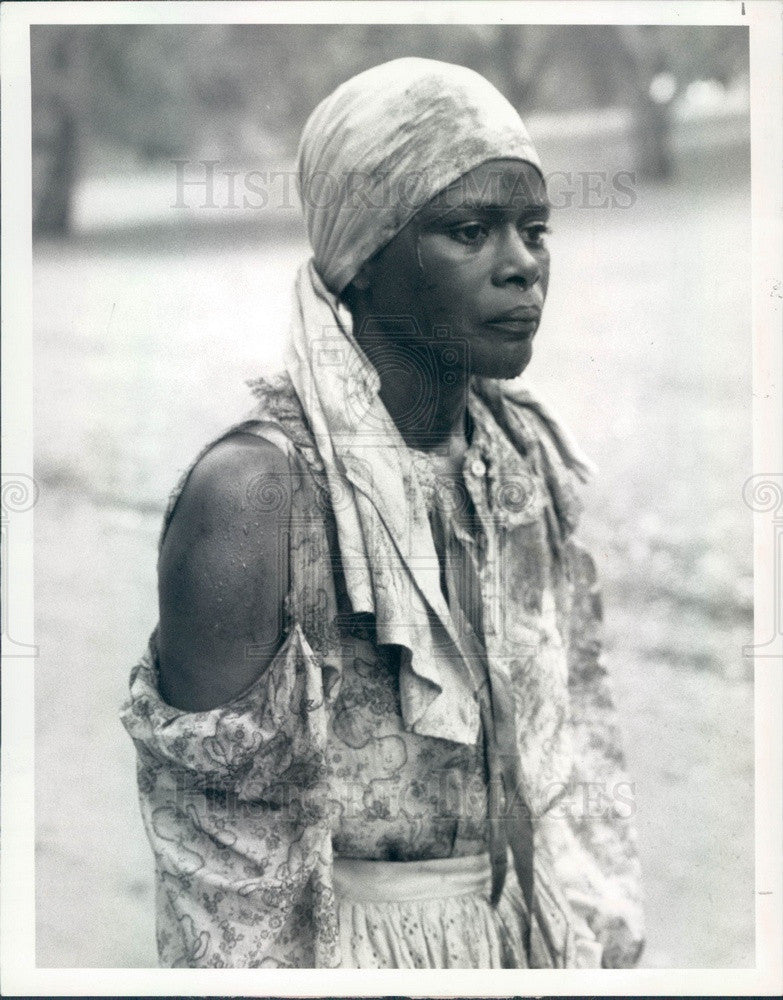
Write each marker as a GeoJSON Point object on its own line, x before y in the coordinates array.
{"type": "Point", "coordinates": [515, 262]}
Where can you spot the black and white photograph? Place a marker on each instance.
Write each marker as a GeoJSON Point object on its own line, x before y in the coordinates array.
{"type": "Point", "coordinates": [392, 514]}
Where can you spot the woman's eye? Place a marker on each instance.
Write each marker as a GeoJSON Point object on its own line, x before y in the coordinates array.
{"type": "Point", "coordinates": [535, 233]}
{"type": "Point", "coordinates": [469, 234]}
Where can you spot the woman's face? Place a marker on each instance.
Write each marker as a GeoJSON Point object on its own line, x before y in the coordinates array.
{"type": "Point", "coordinates": [473, 266]}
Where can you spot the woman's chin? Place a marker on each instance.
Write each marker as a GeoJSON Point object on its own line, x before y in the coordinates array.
{"type": "Point", "coordinates": [507, 363]}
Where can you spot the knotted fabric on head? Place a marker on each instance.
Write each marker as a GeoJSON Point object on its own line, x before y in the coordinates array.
{"type": "Point", "coordinates": [387, 141]}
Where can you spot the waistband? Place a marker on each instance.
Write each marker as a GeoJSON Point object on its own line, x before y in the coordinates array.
{"type": "Point", "coordinates": [362, 881]}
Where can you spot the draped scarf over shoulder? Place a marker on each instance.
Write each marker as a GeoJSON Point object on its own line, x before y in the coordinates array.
{"type": "Point", "coordinates": [372, 154]}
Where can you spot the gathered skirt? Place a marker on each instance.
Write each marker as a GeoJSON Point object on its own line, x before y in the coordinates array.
{"type": "Point", "coordinates": [426, 915]}
{"type": "Point", "coordinates": [437, 915]}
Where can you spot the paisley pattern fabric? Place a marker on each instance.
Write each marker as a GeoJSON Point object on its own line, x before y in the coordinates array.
{"type": "Point", "coordinates": [247, 805]}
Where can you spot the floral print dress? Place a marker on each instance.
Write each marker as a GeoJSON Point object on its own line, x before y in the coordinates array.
{"type": "Point", "coordinates": [250, 807]}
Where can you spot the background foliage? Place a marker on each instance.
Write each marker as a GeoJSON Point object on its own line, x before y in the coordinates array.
{"type": "Point", "coordinates": [164, 91]}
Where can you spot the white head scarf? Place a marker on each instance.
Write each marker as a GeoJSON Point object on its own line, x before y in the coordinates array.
{"type": "Point", "coordinates": [384, 143]}
{"type": "Point", "coordinates": [373, 153]}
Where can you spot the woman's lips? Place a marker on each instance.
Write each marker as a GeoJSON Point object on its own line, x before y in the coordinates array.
{"type": "Point", "coordinates": [521, 327]}
{"type": "Point", "coordinates": [520, 322]}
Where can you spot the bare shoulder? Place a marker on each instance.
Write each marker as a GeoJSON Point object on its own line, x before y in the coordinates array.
{"type": "Point", "coordinates": [230, 478]}
{"type": "Point", "coordinates": [223, 573]}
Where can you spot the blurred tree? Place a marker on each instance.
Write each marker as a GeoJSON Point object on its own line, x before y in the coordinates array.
{"type": "Point", "coordinates": [647, 61]}
{"type": "Point", "coordinates": [244, 91]}
{"type": "Point", "coordinates": [55, 126]}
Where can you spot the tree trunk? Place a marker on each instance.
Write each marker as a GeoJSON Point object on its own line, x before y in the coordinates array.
{"type": "Point", "coordinates": [56, 157]}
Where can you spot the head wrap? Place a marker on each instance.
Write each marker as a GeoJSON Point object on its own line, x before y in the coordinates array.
{"type": "Point", "coordinates": [387, 141]}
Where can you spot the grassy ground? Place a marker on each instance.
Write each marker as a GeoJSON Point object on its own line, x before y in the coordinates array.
{"type": "Point", "coordinates": [142, 344]}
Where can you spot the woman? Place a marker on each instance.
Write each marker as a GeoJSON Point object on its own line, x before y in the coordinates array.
{"type": "Point", "coordinates": [373, 728]}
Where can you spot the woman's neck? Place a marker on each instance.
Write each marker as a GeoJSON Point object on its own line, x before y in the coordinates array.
{"type": "Point", "coordinates": [429, 410]}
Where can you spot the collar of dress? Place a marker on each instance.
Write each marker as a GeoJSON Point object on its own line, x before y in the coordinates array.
{"type": "Point", "coordinates": [519, 458]}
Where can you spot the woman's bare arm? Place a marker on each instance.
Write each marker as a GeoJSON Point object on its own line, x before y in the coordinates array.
{"type": "Point", "coordinates": [223, 574]}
